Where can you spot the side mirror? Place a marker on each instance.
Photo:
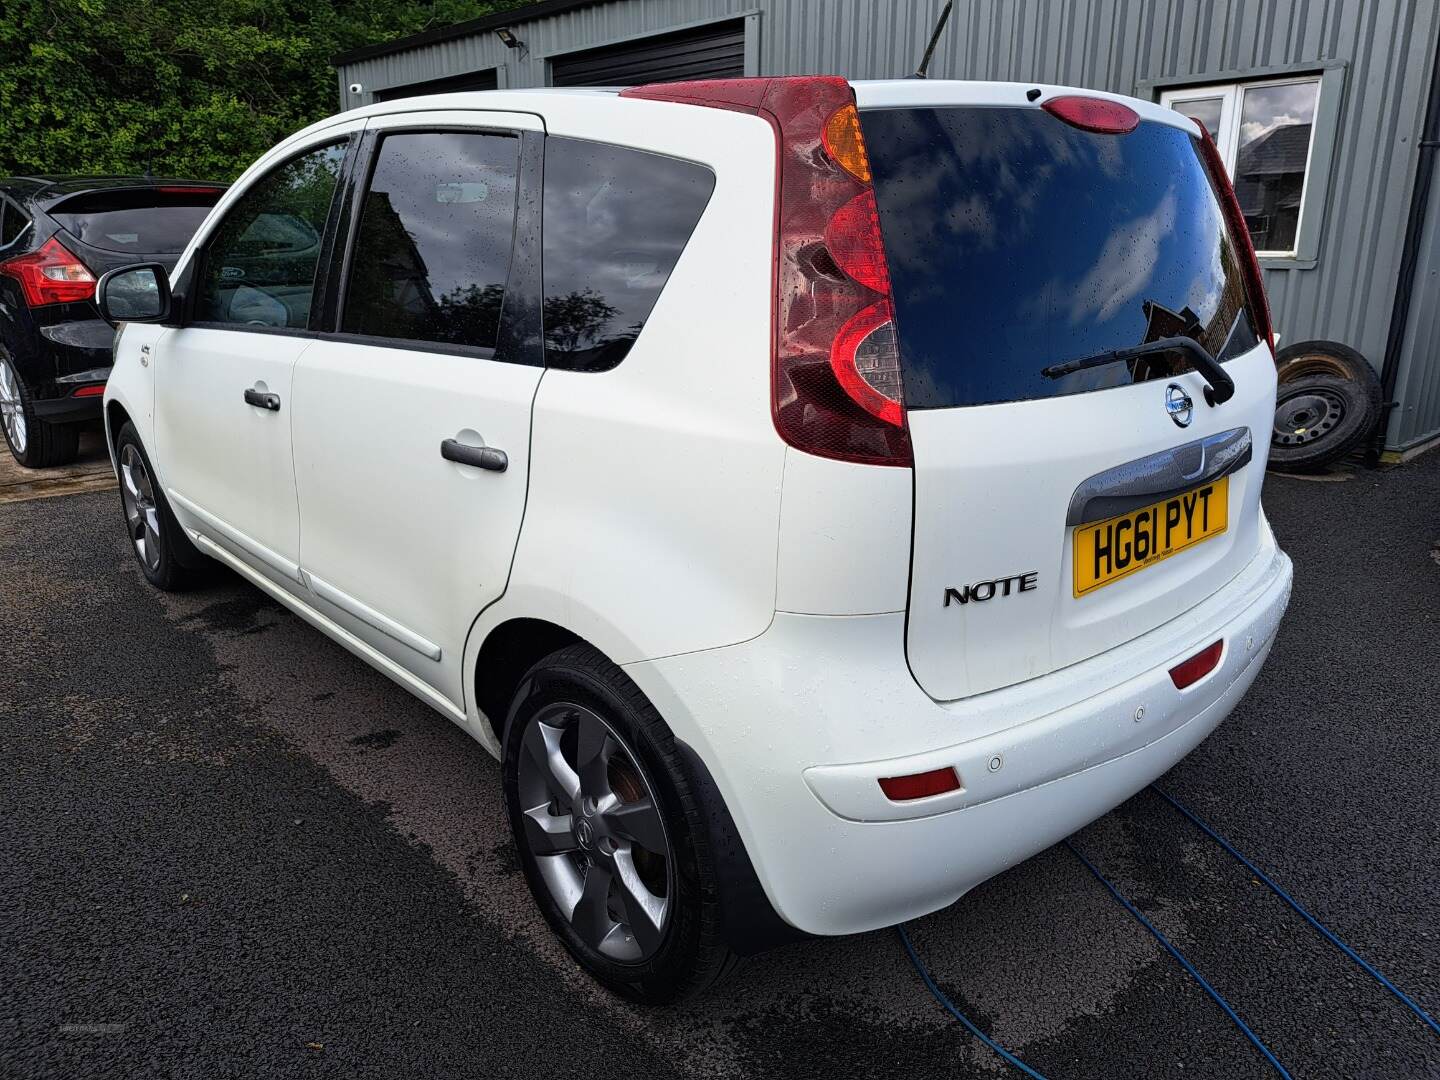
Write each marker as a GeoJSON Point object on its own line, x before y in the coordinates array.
{"type": "Point", "coordinates": [138, 293]}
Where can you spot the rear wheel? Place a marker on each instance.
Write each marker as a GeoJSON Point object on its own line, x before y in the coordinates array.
{"type": "Point", "coordinates": [35, 443]}
{"type": "Point", "coordinates": [609, 832]}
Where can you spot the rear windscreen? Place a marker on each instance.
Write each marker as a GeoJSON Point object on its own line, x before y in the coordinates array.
{"type": "Point", "coordinates": [1016, 242]}
{"type": "Point", "coordinates": [144, 222]}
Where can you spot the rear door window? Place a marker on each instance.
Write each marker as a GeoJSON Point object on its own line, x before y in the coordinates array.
{"type": "Point", "coordinates": [615, 222]}
{"type": "Point", "coordinates": [142, 222]}
{"type": "Point", "coordinates": [432, 252]}
{"type": "Point", "coordinates": [1016, 242]}
{"type": "Point", "coordinates": [260, 262]}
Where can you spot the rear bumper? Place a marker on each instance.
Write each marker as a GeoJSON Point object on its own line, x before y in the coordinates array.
{"type": "Point", "coordinates": [70, 409]}
{"type": "Point", "coordinates": [797, 726]}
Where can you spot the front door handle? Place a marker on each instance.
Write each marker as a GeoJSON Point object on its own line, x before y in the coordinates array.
{"type": "Point", "coordinates": [262, 400]}
{"type": "Point", "coordinates": [482, 457]}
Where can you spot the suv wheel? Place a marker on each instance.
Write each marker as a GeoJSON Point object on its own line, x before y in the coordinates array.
{"type": "Point", "coordinates": [161, 547]}
{"type": "Point", "coordinates": [35, 444]}
{"type": "Point", "coordinates": [610, 835]}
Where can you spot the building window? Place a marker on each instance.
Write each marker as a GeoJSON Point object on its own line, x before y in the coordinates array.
{"type": "Point", "coordinates": [1266, 135]}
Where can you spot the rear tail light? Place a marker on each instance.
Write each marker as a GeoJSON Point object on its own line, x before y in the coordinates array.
{"type": "Point", "coordinates": [836, 363]}
{"type": "Point", "coordinates": [1093, 114]}
{"type": "Point", "coordinates": [1240, 236]}
{"type": "Point", "coordinates": [920, 785]}
{"type": "Point", "coordinates": [51, 275]}
{"type": "Point", "coordinates": [1197, 667]}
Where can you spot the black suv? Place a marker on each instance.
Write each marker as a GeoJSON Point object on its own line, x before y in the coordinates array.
{"type": "Point", "coordinates": [58, 234]}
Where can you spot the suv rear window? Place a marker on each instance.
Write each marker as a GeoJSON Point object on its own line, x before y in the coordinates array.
{"type": "Point", "coordinates": [143, 222]}
{"type": "Point", "coordinates": [1016, 241]}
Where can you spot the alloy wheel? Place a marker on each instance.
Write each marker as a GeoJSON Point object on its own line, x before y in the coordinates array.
{"type": "Point", "coordinates": [142, 515]}
{"type": "Point", "coordinates": [12, 409]}
{"type": "Point", "coordinates": [594, 827]}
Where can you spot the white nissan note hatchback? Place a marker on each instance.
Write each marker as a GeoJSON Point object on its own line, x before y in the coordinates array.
{"type": "Point", "coordinates": [820, 496]}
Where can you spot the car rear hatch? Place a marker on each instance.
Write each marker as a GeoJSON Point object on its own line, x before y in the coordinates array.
{"type": "Point", "coordinates": [1066, 500]}
{"type": "Point", "coordinates": [115, 226]}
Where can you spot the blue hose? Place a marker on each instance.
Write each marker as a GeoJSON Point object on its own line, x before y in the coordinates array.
{"type": "Point", "coordinates": [1295, 905]}
{"type": "Point", "coordinates": [1215, 994]}
{"type": "Point", "coordinates": [944, 1000]}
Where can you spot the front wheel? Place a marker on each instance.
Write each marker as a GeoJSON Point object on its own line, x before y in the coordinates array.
{"type": "Point", "coordinates": [160, 545]}
{"type": "Point", "coordinates": [609, 832]}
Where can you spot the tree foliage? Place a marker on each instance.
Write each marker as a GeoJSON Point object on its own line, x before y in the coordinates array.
{"type": "Point", "coordinates": [189, 88]}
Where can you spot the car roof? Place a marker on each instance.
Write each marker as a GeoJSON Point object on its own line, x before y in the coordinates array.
{"type": "Point", "coordinates": [869, 93]}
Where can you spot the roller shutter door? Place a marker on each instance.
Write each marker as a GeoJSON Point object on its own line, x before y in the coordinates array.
{"type": "Point", "coordinates": [716, 51]}
{"type": "Point", "coordinates": [451, 84]}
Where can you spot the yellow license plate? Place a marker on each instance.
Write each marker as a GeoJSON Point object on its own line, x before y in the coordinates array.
{"type": "Point", "coordinates": [1109, 550]}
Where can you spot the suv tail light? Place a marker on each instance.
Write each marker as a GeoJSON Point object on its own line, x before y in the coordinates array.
{"type": "Point", "coordinates": [51, 275]}
{"type": "Point", "coordinates": [1240, 236]}
{"type": "Point", "coordinates": [836, 361]}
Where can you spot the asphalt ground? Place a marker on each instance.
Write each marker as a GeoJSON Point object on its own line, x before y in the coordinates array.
{"type": "Point", "coordinates": [228, 849]}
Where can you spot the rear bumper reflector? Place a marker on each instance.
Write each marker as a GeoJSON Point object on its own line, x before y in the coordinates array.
{"type": "Point", "coordinates": [919, 785]}
{"type": "Point", "coordinates": [1198, 666]}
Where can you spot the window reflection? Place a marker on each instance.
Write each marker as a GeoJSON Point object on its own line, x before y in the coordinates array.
{"type": "Point", "coordinates": [433, 249]}
{"type": "Point", "coordinates": [260, 262]}
{"type": "Point", "coordinates": [1016, 242]}
{"type": "Point", "coordinates": [1270, 160]}
{"type": "Point", "coordinates": [616, 221]}
{"type": "Point", "coordinates": [1204, 111]}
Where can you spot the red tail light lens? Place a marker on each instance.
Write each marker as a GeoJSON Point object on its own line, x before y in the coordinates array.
{"type": "Point", "coordinates": [1094, 114]}
{"type": "Point", "coordinates": [836, 364]}
{"type": "Point", "coordinates": [97, 390]}
{"type": "Point", "coordinates": [853, 240]}
{"type": "Point", "coordinates": [919, 785]}
{"type": "Point", "coordinates": [1197, 667]}
{"type": "Point", "coordinates": [1255, 297]}
{"type": "Point", "coordinates": [51, 275]}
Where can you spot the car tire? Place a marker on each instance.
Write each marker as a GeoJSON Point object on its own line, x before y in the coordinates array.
{"type": "Point", "coordinates": [595, 784]}
{"type": "Point", "coordinates": [166, 556]}
{"type": "Point", "coordinates": [34, 443]}
{"type": "Point", "coordinates": [1307, 359]}
{"type": "Point", "coordinates": [1318, 420]}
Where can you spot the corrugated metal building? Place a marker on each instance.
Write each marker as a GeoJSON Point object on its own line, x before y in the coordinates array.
{"type": "Point", "coordinates": [1326, 108]}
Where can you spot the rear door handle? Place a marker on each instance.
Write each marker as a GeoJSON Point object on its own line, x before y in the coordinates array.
{"type": "Point", "coordinates": [262, 400]}
{"type": "Point", "coordinates": [482, 457]}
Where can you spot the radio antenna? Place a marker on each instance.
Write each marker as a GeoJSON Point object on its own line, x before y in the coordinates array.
{"type": "Point", "coordinates": [934, 39]}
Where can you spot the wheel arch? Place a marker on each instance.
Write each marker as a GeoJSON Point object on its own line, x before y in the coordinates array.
{"type": "Point", "coordinates": [749, 921]}
{"type": "Point", "coordinates": [509, 650]}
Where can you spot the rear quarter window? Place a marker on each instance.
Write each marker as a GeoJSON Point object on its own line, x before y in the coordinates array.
{"type": "Point", "coordinates": [1016, 241]}
{"type": "Point", "coordinates": [13, 222]}
{"type": "Point", "coordinates": [615, 222]}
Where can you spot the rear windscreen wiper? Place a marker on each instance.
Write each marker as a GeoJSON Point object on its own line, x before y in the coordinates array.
{"type": "Point", "coordinates": [1221, 387]}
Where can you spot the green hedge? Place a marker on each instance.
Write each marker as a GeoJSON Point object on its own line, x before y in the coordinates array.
{"type": "Point", "coordinates": [185, 88]}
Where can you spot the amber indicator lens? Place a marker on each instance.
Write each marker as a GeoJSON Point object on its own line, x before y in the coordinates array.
{"type": "Point", "coordinates": [845, 144]}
